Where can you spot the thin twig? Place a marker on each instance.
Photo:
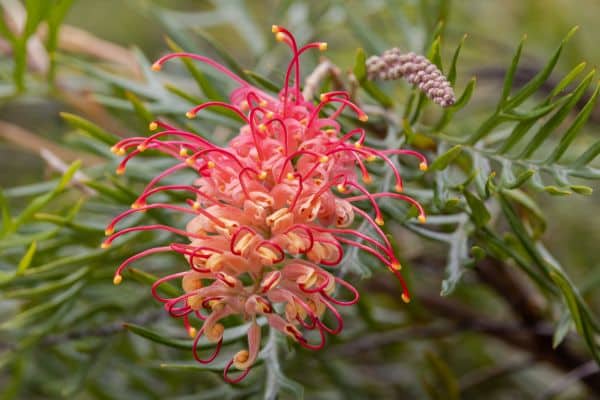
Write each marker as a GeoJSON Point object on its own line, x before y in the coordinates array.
{"type": "Point", "coordinates": [562, 384]}
{"type": "Point", "coordinates": [324, 69]}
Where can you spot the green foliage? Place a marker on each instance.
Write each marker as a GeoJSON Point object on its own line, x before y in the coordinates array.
{"type": "Point", "coordinates": [495, 156]}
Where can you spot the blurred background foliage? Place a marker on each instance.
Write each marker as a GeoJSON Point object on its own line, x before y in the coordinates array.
{"type": "Point", "coordinates": [511, 242]}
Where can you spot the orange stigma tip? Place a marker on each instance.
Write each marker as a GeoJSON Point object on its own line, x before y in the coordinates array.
{"type": "Point", "coordinates": [423, 166]}
{"type": "Point", "coordinates": [323, 46]}
{"type": "Point", "coordinates": [323, 159]}
{"type": "Point", "coordinates": [142, 147]}
{"type": "Point", "coordinates": [109, 231]}
{"type": "Point", "coordinates": [323, 96]}
{"type": "Point", "coordinates": [191, 161]}
{"type": "Point", "coordinates": [367, 179]}
{"type": "Point", "coordinates": [117, 279]}
{"type": "Point", "coordinates": [156, 67]}
{"type": "Point", "coordinates": [262, 175]}
{"type": "Point", "coordinates": [379, 221]}
{"type": "Point", "coordinates": [210, 164]}
{"type": "Point", "coordinates": [190, 114]}
{"type": "Point", "coordinates": [341, 188]}
{"type": "Point", "coordinates": [405, 298]}
{"type": "Point", "coordinates": [137, 205]}
{"type": "Point", "coordinates": [371, 158]}
{"type": "Point", "coordinates": [398, 188]}
{"type": "Point", "coordinates": [396, 266]}
{"type": "Point", "coordinates": [153, 126]}
{"type": "Point", "coordinates": [357, 145]}
{"type": "Point", "coordinates": [120, 171]}
{"type": "Point", "coordinates": [196, 205]}
{"type": "Point", "coordinates": [244, 105]}
{"type": "Point", "coordinates": [192, 332]}
{"type": "Point", "coordinates": [290, 176]}
{"type": "Point", "coordinates": [280, 36]}
{"type": "Point", "coordinates": [262, 128]}
{"type": "Point", "coordinates": [422, 218]}
{"type": "Point", "coordinates": [263, 103]}
{"type": "Point", "coordinates": [183, 152]}
{"type": "Point", "coordinates": [363, 117]}
{"type": "Point", "coordinates": [105, 245]}
{"type": "Point", "coordinates": [274, 28]}
{"type": "Point", "coordinates": [269, 114]}
{"type": "Point", "coordinates": [114, 149]}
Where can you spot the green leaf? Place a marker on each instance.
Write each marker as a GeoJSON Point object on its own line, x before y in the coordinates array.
{"type": "Point", "coordinates": [479, 212]}
{"type": "Point", "coordinates": [262, 81]}
{"type": "Point", "coordinates": [27, 258]}
{"type": "Point", "coordinates": [149, 279]}
{"type": "Point", "coordinates": [575, 128]}
{"type": "Point", "coordinates": [90, 128]}
{"type": "Point", "coordinates": [204, 83]}
{"type": "Point", "coordinates": [183, 344]}
{"type": "Point", "coordinates": [510, 74]}
{"type": "Point", "coordinates": [562, 329]}
{"type": "Point", "coordinates": [7, 221]}
{"type": "Point", "coordinates": [538, 80]}
{"type": "Point", "coordinates": [41, 201]}
{"type": "Point", "coordinates": [442, 161]}
{"type": "Point", "coordinates": [452, 70]}
{"type": "Point", "coordinates": [360, 72]}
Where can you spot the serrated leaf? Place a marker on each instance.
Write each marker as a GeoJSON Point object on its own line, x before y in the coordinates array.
{"type": "Point", "coordinates": [442, 161]}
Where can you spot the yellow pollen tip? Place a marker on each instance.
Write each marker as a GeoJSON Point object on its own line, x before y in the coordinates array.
{"type": "Point", "coordinates": [367, 179]}
{"type": "Point", "coordinates": [379, 221]}
{"type": "Point", "coordinates": [141, 148]}
{"type": "Point", "coordinates": [423, 166]}
{"type": "Point", "coordinates": [422, 218]}
{"type": "Point", "coordinates": [244, 105]}
{"type": "Point", "coordinates": [196, 205]}
{"type": "Point", "coordinates": [117, 279]}
{"type": "Point", "coordinates": [330, 132]}
{"type": "Point", "coordinates": [109, 231]}
{"type": "Point", "coordinates": [323, 46]}
{"type": "Point", "coordinates": [363, 117]}
{"type": "Point", "coordinates": [192, 332]}
{"type": "Point", "coordinates": [269, 114]}
{"type": "Point", "coordinates": [191, 161]}
{"type": "Point", "coordinates": [105, 245]}
{"type": "Point", "coordinates": [274, 28]}
{"type": "Point", "coordinates": [210, 164]}
{"type": "Point", "coordinates": [262, 175]}
{"type": "Point", "coordinates": [262, 128]}
{"type": "Point", "coordinates": [115, 150]}
{"type": "Point", "coordinates": [341, 188]}
{"type": "Point", "coordinates": [405, 298]}
{"type": "Point", "coordinates": [323, 159]}
{"type": "Point", "coordinates": [398, 188]}
{"type": "Point", "coordinates": [323, 97]}
{"type": "Point", "coordinates": [371, 158]}
{"type": "Point", "coordinates": [190, 114]}
{"type": "Point", "coordinates": [120, 171]}
{"type": "Point", "coordinates": [137, 204]}
{"type": "Point", "coordinates": [153, 126]}
{"type": "Point", "coordinates": [290, 176]}
{"type": "Point", "coordinates": [396, 266]}
{"type": "Point", "coordinates": [183, 152]}
{"type": "Point", "coordinates": [156, 67]}
{"type": "Point", "coordinates": [357, 145]}
{"type": "Point", "coordinates": [263, 103]}
{"type": "Point", "coordinates": [280, 36]}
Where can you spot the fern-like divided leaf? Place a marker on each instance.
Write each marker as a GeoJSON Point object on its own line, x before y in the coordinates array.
{"type": "Point", "coordinates": [527, 140]}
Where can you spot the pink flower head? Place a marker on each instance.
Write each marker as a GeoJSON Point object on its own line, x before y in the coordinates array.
{"type": "Point", "coordinates": [267, 221]}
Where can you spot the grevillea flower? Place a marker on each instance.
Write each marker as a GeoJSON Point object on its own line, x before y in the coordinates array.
{"type": "Point", "coordinates": [270, 213]}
